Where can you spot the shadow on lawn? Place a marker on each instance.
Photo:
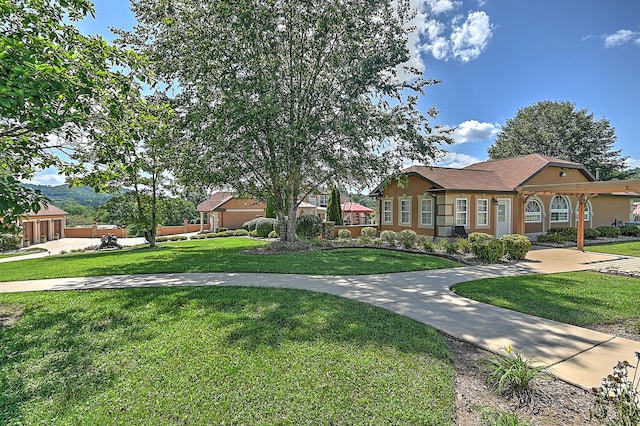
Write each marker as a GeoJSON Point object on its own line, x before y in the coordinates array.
{"type": "Point", "coordinates": [66, 350]}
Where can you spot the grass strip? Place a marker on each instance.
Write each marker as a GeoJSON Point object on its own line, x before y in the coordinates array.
{"type": "Point", "coordinates": [221, 355]}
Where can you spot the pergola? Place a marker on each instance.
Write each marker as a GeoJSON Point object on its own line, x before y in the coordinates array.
{"type": "Point", "coordinates": [583, 191]}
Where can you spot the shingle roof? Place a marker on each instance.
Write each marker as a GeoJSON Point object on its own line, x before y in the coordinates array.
{"type": "Point", "coordinates": [496, 175]}
{"type": "Point", "coordinates": [460, 179]}
{"type": "Point", "coordinates": [215, 201]}
{"type": "Point", "coordinates": [515, 171]}
{"type": "Point", "coordinates": [49, 210]}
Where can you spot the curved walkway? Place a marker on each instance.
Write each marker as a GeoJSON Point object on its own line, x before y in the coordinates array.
{"type": "Point", "coordinates": [577, 355]}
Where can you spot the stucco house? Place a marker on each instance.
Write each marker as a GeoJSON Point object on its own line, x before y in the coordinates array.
{"type": "Point", "coordinates": [525, 195]}
{"type": "Point", "coordinates": [225, 209]}
{"type": "Point", "coordinates": [45, 225]}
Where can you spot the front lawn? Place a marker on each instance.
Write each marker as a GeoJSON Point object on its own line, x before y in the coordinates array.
{"type": "Point", "coordinates": [220, 255]}
{"type": "Point", "coordinates": [217, 355]}
{"type": "Point", "coordinates": [631, 248]}
{"type": "Point", "coordinates": [579, 298]}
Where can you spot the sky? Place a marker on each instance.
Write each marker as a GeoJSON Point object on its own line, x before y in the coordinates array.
{"type": "Point", "coordinates": [495, 57]}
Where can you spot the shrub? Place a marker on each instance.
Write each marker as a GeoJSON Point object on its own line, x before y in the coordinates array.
{"type": "Point", "coordinates": [177, 238]}
{"type": "Point", "coordinates": [492, 417]}
{"type": "Point", "coordinates": [427, 245]}
{"type": "Point", "coordinates": [551, 238]}
{"type": "Point", "coordinates": [264, 225]}
{"type": "Point", "coordinates": [222, 229]}
{"type": "Point", "coordinates": [9, 241]}
{"type": "Point", "coordinates": [273, 234]}
{"type": "Point", "coordinates": [369, 232]}
{"type": "Point", "coordinates": [630, 230]}
{"type": "Point", "coordinates": [364, 240]}
{"type": "Point", "coordinates": [609, 231]}
{"type": "Point", "coordinates": [620, 390]}
{"type": "Point", "coordinates": [344, 234]}
{"type": "Point", "coordinates": [516, 246]}
{"type": "Point", "coordinates": [388, 237]}
{"type": "Point", "coordinates": [447, 246]}
{"type": "Point", "coordinates": [510, 373]}
{"type": "Point", "coordinates": [488, 250]}
{"type": "Point", "coordinates": [462, 245]}
{"type": "Point", "coordinates": [251, 225]}
{"type": "Point", "coordinates": [407, 238]}
{"type": "Point", "coordinates": [568, 233]}
{"type": "Point", "coordinates": [161, 239]}
{"type": "Point", "coordinates": [591, 233]}
{"type": "Point", "coordinates": [475, 237]}
{"type": "Point", "coordinates": [253, 233]}
{"type": "Point", "coordinates": [240, 233]}
{"type": "Point", "coordinates": [308, 226]}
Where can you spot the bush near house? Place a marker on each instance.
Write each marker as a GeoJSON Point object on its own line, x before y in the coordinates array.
{"type": "Point", "coordinates": [630, 230]}
{"type": "Point", "coordinates": [516, 246]}
{"type": "Point", "coordinates": [488, 249]}
{"type": "Point", "coordinates": [369, 232]}
{"type": "Point", "coordinates": [407, 238]}
{"type": "Point", "coordinates": [388, 237]}
{"type": "Point", "coordinates": [609, 231]}
{"type": "Point", "coordinates": [9, 242]}
{"type": "Point", "coordinates": [308, 226]}
{"type": "Point", "coordinates": [344, 234]}
{"type": "Point", "coordinates": [476, 237]}
{"type": "Point", "coordinates": [591, 233]}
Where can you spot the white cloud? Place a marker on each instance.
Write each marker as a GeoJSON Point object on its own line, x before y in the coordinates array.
{"type": "Point", "coordinates": [621, 37]}
{"type": "Point", "coordinates": [633, 163]}
{"type": "Point", "coordinates": [474, 131]}
{"type": "Point", "coordinates": [442, 6]}
{"type": "Point", "coordinates": [446, 35]}
{"type": "Point", "coordinates": [48, 176]}
{"type": "Point", "coordinates": [470, 39]}
{"type": "Point", "coordinates": [457, 160]}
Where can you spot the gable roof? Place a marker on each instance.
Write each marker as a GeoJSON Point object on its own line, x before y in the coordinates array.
{"type": "Point", "coordinates": [215, 201]}
{"type": "Point", "coordinates": [516, 171]}
{"type": "Point", "coordinates": [48, 210]}
{"type": "Point", "coordinates": [503, 175]}
{"type": "Point", "coordinates": [459, 179]}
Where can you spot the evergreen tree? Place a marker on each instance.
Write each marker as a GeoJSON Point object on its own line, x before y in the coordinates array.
{"type": "Point", "coordinates": [334, 212]}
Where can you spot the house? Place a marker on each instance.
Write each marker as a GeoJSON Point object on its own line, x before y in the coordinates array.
{"type": "Point", "coordinates": [45, 225]}
{"type": "Point", "coordinates": [525, 195]}
{"type": "Point", "coordinates": [225, 209]}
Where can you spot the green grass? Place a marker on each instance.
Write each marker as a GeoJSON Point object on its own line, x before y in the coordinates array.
{"type": "Point", "coordinates": [623, 249]}
{"type": "Point", "coordinates": [579, 298]}
{"type": "Point", "coordinates": [219, 255]}
{"type": "Point", "coordinates": [22, 252]}
{"type": "Point", "coordinates": [218, 355]}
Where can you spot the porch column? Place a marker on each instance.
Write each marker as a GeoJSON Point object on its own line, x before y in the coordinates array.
{"type": "Point", "coordinates": [581, 222]}
{"type": "Point", "coordinates": [63, 225]}
{"type": "Point", "coordinates": [50, 230]}
{"type": "Point", "coordinates": [36, 232]}
{"type": "Point", "coordinates": [201, 221]}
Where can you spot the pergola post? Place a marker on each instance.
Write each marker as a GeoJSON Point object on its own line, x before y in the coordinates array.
{"type": "Point", "coordinates": [581, 198]}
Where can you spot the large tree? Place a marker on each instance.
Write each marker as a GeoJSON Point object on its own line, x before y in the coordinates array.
{"type": "Point", "coordinates": [558, 129]}
{"type": "Point", "coordinates": [51, 76]}
{"type": "Point", "coordinates": [129, 147]}
{"type": "Point", "coordinates": [277, 98]}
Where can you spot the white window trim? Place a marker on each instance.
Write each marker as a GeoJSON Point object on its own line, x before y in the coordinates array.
{"type": "Point", "coordinates": [390, 201]}
{"type": "Point", "coordinates": [587, 211]}
{"type": "Point", "coordinates": [525, 211]}
{"type": "Point", "coordinates": [559, 211]}
{"type": "Point", "coordinates": [486, 212]}
{"type": "Point", "coordinates": [409, 200]}
{"type": "Point", "coordinates": [422, 224]}
{"type": "Point", "coordinates": [466, 212]}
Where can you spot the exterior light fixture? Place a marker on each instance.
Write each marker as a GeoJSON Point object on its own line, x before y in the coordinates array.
{"type": "Point", "coordinates": [494, 200]}
{"type": "Point", "coordinates": [562, 173]}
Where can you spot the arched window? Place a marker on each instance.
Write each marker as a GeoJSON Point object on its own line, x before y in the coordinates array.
{"type": "Point", "coordinates": [533, 212]}
{"type": "Point", "coordinates": [559, 209]}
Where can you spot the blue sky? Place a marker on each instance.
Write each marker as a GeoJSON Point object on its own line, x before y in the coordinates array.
{"type": "Point", "coordinates": [497, 56]}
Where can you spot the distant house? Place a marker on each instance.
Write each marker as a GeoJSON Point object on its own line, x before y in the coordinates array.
{"type": "Point", "coordinates": [526, 195]}
{"type": "Point", "coordinates": [225, 209]}
{"type": "Point", "coordinates": [354, 213]}
{"type": "Point", "coordinates": [45, 225]}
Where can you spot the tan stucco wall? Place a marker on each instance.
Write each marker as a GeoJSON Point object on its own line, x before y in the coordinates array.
{"type": "Point", "coordinates": [238, 211]}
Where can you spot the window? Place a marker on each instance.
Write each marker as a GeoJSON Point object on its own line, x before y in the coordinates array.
{"type": "Point", "coordinates": [313, 200]}
{"type": "Point", "coordinates": [462, 212]}
{"type": "Point", "coordinates": [426, 211]}
{"type": "Point", "coordinates": [404, 205]}
{"type": "Point", "coordinates": [482, 214]}
{"type": "Point", "coordinates": [533, 212]}
{"type": "Point", "coordinates": [323, 200]}
{"type": "Point", "coordinates": [587, 212]}
{"type": "Point", "coordinates": [559, 209]}
{"type": "Point", "coordinates": [387, 211]}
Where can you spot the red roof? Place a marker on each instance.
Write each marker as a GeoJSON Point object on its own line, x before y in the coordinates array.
{"type": "Point", "coordinates": [49, 210]}
{"type": "Point", "coordinates": [355, 208]}
{"type": "Point", "coordinates": [215, 201]}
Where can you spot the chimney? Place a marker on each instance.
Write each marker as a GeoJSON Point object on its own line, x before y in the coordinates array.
{"type": "Point", "coordinates": [597, 173]}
